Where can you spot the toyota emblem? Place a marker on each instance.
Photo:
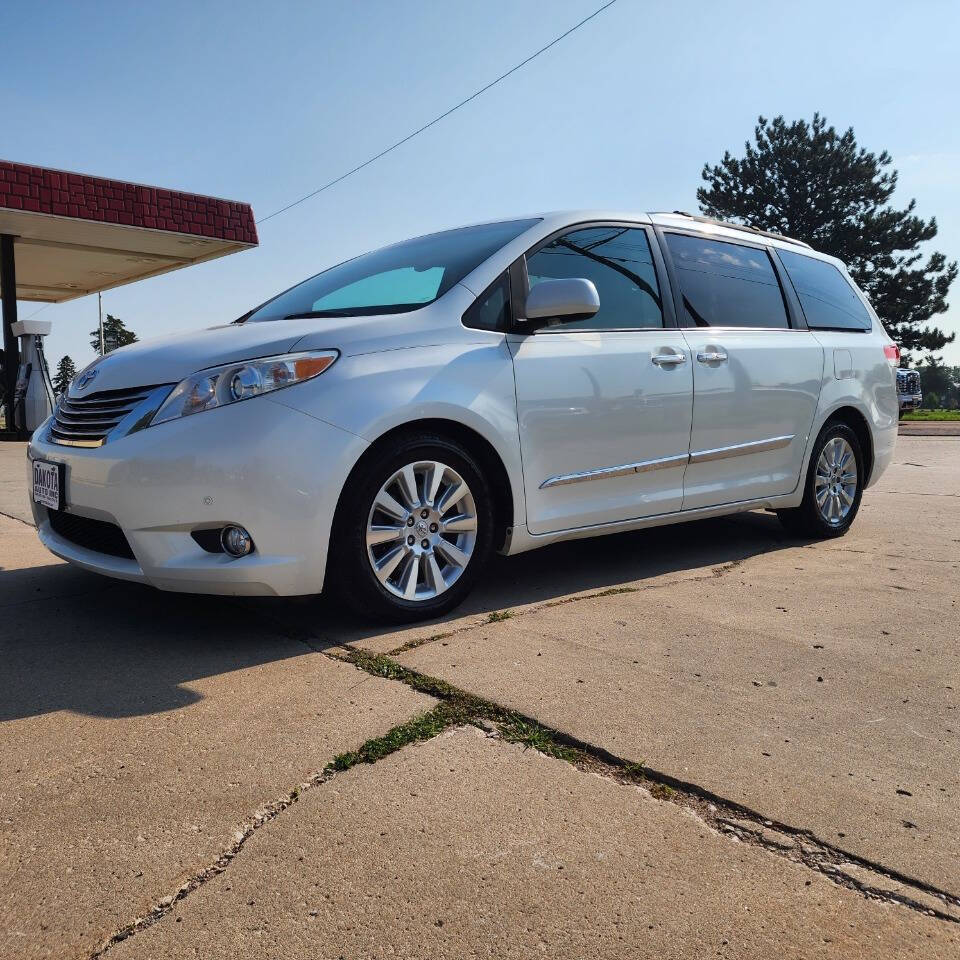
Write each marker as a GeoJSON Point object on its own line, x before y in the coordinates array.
{"type": "Point", "coordinates": [86, 377]}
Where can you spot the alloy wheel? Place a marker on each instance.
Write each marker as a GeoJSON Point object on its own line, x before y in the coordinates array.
{"type": "Point", "coordinates": [835, 483]}
{"type": "Point", "coordinates": [421, 530]}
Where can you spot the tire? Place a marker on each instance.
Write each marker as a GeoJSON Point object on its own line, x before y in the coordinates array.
{"type": "Point", "coordinates": [458, 555]}
{"type": "Point", "coordinates": [809, 520]}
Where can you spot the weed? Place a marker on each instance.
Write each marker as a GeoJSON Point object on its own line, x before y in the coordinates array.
{"type": "Point", "coordinates": [423, 727]}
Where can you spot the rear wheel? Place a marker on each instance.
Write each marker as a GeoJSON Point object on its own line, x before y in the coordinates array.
{"type": "Point", "coordinates": [414, 527]}
{"type": "Point", "coordinates": [833, 489]}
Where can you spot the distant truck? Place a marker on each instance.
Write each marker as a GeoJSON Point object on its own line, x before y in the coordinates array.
{"type": "Point", "coordinates": [908, 390]}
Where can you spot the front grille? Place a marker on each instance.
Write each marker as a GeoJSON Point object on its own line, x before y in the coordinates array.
{"type": "Point", "coordinates": [908, 381]}
{"type": "Point", "coordinates": [96, 535]}
{"type": "Point", "coordinates": [86, 422]}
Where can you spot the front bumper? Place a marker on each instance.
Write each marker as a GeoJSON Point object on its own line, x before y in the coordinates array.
{"type": "Point", "coordinates": [910, 402]}
{"type": "Point", "coordinates": [276, 471]}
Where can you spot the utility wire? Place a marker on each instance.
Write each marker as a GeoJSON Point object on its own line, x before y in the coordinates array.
{"type": "Point", "coordinates": [442, 116]}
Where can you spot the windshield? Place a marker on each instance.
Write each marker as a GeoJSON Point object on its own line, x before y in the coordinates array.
{"type": "Point", "coordinates": [394, 279]}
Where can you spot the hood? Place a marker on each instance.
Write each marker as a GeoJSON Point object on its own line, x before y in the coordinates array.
{"type": "Point", "coordinates": [171, 358]}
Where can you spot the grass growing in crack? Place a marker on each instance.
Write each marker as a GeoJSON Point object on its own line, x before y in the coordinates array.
{"type": "Point", "coordinates": [532, 735]}
{"type": "Point", "coordinates": [424, 727]}
{"type": "Point", "coordinates": [499, 615]}
{"type": "Point", "coordinates": [661, 791]}
{"type": "Point", "coordinates": [418, 642]}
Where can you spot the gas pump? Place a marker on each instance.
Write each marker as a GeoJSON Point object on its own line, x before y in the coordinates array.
{"type": "Point", "coordinates": [33, 398]}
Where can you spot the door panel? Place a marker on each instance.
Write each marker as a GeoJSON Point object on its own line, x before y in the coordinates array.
{"type": "Point", "coordinates": [755, 397]}
{"type": "Point", "coordinates": [604, 430]}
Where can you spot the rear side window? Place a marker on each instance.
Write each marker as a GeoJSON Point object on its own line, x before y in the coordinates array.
{"type": "Point", "coordinates": [726, 284]}
{"type": "Point", "coordinates": [829, 301]}
{"type": "Point", "coordinates": [618, 261]}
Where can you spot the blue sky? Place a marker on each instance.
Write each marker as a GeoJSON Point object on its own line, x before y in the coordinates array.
{"type": "Point", "coordinates": [265, 102]}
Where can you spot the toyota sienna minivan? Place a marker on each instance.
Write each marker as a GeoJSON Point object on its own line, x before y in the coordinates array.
{"type": "Point", "coordinates": [382, 427]}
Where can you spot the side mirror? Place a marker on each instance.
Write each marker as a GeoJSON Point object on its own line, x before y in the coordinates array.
{"type": "Point", "coordinates": [572, 299]}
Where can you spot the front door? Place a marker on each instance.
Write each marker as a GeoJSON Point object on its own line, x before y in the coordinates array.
{"type": "Point", "coordinates": [604, 404]}
{"type": "Point", "coordinates": [756, 378]}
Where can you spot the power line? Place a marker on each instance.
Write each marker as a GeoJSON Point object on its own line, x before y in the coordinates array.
{"type": "Point", "coordinates": [442, 116]}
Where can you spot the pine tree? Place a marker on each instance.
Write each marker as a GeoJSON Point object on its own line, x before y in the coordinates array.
{"type": "Point", "coordinates": [115, 334]}
{"type": "Point", "coordinates": [66, 371]}
{"type": "Point", "coordinates": [809, 182]}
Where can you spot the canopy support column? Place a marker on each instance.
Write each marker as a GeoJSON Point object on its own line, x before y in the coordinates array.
{"type": "Point", "coordinates": [11, 362]}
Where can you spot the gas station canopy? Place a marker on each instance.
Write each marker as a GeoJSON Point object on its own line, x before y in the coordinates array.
{"type": "Point", "coordinates": [65, 235]}
{"type": "Point", "coordinates": [77, 234]}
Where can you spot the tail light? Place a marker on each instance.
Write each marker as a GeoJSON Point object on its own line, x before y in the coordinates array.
{"type": "Point", "coordinates": [892, 352]}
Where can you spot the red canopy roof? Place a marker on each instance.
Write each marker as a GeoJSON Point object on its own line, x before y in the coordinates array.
{"type": "Point", "coordinates": [77, 234]}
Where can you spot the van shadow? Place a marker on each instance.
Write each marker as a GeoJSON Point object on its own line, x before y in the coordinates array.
{"type": "Point", "coordinates": [551, 573]}
{"type": "Point", "coordinates": [75, 641]}
{"type": "Point", "coordinates": [70, 640]}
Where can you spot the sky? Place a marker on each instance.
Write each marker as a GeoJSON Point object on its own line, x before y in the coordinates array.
{"type": "Point", "coordinates": [265, 102]}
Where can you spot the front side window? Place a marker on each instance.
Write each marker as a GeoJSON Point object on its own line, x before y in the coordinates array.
{"type": "Point", "coordinates": [726, 284]}
{"type": "Point", "coordinates": [395, 279]}
{"type": "Point", "coordinates": [829, 301]}
{"type": "Point", "coordinates": [618, 261]}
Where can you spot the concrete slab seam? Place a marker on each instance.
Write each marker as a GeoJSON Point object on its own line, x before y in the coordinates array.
{"type": "Point", "coordinates": [729, 817]}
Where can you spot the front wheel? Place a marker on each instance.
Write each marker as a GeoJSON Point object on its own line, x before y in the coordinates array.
{"type": "Point", "coordinates": [834, 486]}
{"type": "Point", "coordinates": [414, 527]}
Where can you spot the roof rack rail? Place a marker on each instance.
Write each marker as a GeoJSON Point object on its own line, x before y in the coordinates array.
{"type": "Point", "coordinates": [737, 226]}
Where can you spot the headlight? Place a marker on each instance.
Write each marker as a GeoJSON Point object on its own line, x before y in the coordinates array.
{"type": "Point", "coordinates": [218, 386]}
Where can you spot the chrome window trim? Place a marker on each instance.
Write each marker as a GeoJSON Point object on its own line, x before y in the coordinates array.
{"type": "Point", "coordinates": [662, 463]}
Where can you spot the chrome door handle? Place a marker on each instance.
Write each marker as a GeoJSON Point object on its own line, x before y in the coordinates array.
{"type": "Point", "coordinates": [711, 356]}
{"type": "Point", "coordinates": [668, 359]}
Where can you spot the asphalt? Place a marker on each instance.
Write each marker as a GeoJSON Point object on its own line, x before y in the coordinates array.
{"type": "Point", "coordinates": [166, 788]}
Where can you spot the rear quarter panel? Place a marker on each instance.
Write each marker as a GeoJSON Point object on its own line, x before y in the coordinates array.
{"type": "Point", "coordinates": [856, 374]}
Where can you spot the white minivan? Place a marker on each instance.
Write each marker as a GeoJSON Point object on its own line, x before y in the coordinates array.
{"type": "Point", "coordinates": [382, 427]}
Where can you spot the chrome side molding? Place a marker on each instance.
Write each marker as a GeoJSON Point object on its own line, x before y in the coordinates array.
{"type": "Point", "coordinates": [662, 463]}
{"type": "Point", "coordinates": [739, 449]}
{"type": "Point", "coordinates": [605, 473]}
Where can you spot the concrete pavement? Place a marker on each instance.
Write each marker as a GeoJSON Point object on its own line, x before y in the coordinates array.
{"type": "Point", "coordinates": [162, 758]}
{"type": "Point", "coordinates": [466, 847]}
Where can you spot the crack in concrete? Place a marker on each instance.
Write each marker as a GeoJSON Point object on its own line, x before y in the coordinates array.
{"type": "Point", "coordinates": [889, 556]}
{"type": "Point", "coordinates": [804, 846]}
{"type": "Point", "coordinates": [716, 572]}
{"type": "Point", "coordinates": [10, 516]}
{"type": "Point", "coordinates": [458, 708]}
{"type": "Point", "coordinates": [915, 493]}
{"type": "Point", "coordinates": [796, 844]}
{"type": "Point", "coordinates": [165, 906]}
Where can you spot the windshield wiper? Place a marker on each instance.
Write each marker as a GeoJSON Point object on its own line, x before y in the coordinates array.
{"type": "Point", "coordinates": [307, 314]}
{"type": "Point", "coordinates": [370, 311]}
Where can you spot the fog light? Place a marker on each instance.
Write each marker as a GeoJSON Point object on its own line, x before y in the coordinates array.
{"type": "Point", "coordinates": [236, 541]}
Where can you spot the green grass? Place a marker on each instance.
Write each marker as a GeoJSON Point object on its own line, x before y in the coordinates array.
{"type": "Point", "coordinates": [424, 727]}
{"type": "Point", "coordinates": [932, 415]}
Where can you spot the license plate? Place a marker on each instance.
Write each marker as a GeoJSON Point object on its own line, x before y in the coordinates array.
{"type": "Point", "coordinates": [48, 484]}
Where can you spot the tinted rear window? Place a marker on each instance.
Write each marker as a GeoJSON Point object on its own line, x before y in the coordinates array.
{"type": "Point", "coordinates": [829, 301]}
